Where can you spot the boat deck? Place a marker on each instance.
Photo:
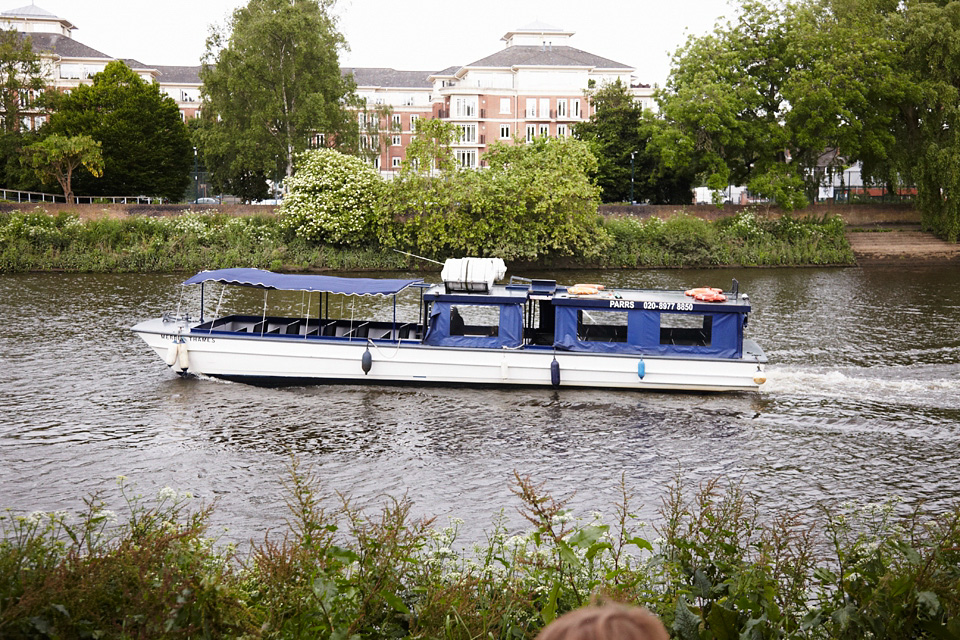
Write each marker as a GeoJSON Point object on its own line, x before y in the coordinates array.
{"type": "Point", "coordinates": [314, 328]}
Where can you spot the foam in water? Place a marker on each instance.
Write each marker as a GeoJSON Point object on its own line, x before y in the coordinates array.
{"type": "Point", "coordinates": [926, 384]}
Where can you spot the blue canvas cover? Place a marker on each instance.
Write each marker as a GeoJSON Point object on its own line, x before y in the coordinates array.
{"type": "Point", "coordinates": [261, 279]}
{"type": "Point", "coordinates": [510, 333]}
{"type": "Point", "coordinates": [643, 336]}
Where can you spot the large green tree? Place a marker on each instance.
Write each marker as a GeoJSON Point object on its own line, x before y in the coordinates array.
{"type": "Point", "coordinates": [271, 84]}
{"type": "Point", "coordinates": [622, 136]}
{"type": "Point", "coordinates": [534, 199]}
{"type": "Point", "coordinates": [783, 95]}
{"type": "Point", "coordinates": [927, 149]}
{"type": "Point", "coordinates": [145, 145]}
{"type": "Point", "coordinates": [21, 85]}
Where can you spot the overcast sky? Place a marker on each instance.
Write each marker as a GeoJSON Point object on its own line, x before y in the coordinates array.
{"type": "Point", "coordinates": [423, 35]}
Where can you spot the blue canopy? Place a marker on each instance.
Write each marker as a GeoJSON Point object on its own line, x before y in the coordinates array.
{"type": "Point", "coordinates": [262, 279]}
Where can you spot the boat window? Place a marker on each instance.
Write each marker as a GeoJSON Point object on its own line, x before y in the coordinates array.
{"type": "Point", "coordinates": [686, 329]}
{"type": "Point", "coordinates": [474, 320]}
{"type": "Point", "coordinates": [598, 325]}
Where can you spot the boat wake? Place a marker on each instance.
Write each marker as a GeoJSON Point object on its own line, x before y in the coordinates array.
{"type": "Point", "coordinates": [922, 385]}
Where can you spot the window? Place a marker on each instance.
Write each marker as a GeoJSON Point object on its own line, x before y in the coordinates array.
{"type": "Point", "coordinates": [504, 131]}
{"type": "Point", "coordinates": [575, 108]}
{"type": "Point", "coordinates": [531, 132]}
{"type": "Point", "coordinates": [531, 107]}
{"type": "Point", "coordinates": [544, 130]}
{"type": "Point", "coordinates": [364, 142]}
{"type": "Point", "coordinates": [686, 329]}
{"type": "Point", "coordinates": [562, 108]}
{"type": "Point", "coordinates": [395, 141]}
{"type": "Point", "coordinates": [395, 122]}
{"type": "Point", "coordinates": [504, 105]}
{"type": "Point", "coordinates": [561, 131]}
{"type": "Point", "coordinates": [413, 122]}
{"type": "Point", "coordinates": [362, 119]}
{"type": "Point", "coordinates": [319, 140]}
{"type": "Point", "coordinates": [396, 162]}
{"type": "Point", "coordinates": [465, 107]}
{"type": "Point", "coordinates": [466, 158]}
{"type": "Point", "coordinates": [468, 133]}
{"type": "Point", "coordinates": [544, 107]}
{"type": "Point", "coordinates": [376, 163]}
{"type": "Point", "coordinates": [598, 325]}
{"type": "Point", "coordinates": [70, 71]}
{"type": "Point", "coordinates": [475, 320]}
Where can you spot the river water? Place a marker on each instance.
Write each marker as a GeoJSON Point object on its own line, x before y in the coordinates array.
{"type": "Point", "coordinates": [862, 402]}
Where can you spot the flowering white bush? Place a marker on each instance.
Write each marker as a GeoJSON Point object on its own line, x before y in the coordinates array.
{"type": "Point", "coordinates": [331, 198]}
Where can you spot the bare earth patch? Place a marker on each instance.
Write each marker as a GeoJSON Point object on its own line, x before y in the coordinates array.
{"type": "Point", "coordinates": [900, 245]}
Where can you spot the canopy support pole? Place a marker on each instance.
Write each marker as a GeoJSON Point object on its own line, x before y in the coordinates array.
{"type": "Point", "coordinates": [306, 320]}
{"type": "Point", "coordinates": [263, 321]}
{"type": "Point", "coordinates": [201, 301]}
{"type": "Point", "coordinates": [219, 302]}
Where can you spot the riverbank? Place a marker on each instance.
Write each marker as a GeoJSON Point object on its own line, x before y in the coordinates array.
{"type": "Point", "coordinates": [195, 240]}
{"type": "Point", "coordinates": [714, 565]}
{"type": "Point", "coordinates": [899, 244]}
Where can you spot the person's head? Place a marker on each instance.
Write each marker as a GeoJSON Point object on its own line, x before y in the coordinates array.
{"type": "Point", "coordinates": [608, 622]}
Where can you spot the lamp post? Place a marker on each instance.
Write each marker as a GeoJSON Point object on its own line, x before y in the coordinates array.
{"type": "Point", "coordinates": [632, 154]}
{"type": "Point", "coordinates": [196, 177]}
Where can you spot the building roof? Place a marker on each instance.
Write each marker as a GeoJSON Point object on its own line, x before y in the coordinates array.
{"type": "Point", "coordinates": [538, 27]}
{"type": "Point", "coordinates": [179, 75]}
{"type": "Point", "coordinates": [63, 46]}
{"type": "Point", "coordinates": [546, 56]}
{"type": "Point", "coordinates": [134, 64]}
{"type": "Point", "coordinates": [384, 77]}
{"type": "Point", "coordinates": [33, 11]}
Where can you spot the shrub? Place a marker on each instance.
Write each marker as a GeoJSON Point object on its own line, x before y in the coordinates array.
{"type": "Point", "coordinates": [332, 198]}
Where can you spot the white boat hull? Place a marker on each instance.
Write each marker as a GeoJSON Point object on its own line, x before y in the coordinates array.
{"type": "Point", "coordinates": [295, 360]}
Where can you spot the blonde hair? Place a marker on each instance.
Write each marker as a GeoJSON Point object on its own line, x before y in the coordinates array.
{"type": "Point", "coordinates": [608, 622]}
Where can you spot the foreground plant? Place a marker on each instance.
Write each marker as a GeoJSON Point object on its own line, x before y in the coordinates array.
{"type": "Point", "coordinates": [721, 567]}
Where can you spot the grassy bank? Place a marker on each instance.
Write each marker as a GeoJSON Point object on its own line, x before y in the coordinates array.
{"type": "Point", "coordinates": [35, 241]}
{"type": "Point", "coordinates": [715, 565]}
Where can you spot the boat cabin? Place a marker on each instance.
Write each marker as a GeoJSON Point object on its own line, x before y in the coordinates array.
{"type": "Point", "coordinates": [542, 314]}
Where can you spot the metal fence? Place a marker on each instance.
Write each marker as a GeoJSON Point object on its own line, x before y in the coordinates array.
{"type": "Point", "coordinates": [13, 195]}
{"type": "Point", "coordinates": [853, 195]}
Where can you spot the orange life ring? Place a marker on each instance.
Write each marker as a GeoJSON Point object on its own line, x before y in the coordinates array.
{"type": "Point", "coordinates": [583, 290]}
{"type": "Point", "coordinates": [706, 294]}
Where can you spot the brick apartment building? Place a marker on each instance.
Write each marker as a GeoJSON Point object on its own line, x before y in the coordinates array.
{"type": "Point", "coordinates": [536, 85]}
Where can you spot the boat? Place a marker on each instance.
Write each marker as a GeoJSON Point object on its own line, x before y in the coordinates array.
{"type": "Point", "coordinates": [468, 330]}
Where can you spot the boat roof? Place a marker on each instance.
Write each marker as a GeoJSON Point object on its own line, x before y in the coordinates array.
{"type": "Point", "coordinates": [652, 299]}
{"type": "Point", "coordinates": [262, 279]}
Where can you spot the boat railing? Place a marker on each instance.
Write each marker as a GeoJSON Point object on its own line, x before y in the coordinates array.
{"type": "Point", "coordinates": [341, 329]}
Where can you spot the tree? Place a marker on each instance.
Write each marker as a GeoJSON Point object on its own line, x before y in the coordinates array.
{"type": "Point", "coordinates": [783, 96]}
{"type": "Point", "coordinates": [145, 145]}
{"type": "Point", "coordinates": [21, 85]}
{"type": "Point", "coordinates": [331, 198]}
{"type": "Point", "coordinates": [56, 157]}
{"type": "Point", "coordinates": [928, 119]}
{"type": "Point", "coordinates": [534, 199]}
{"type": "Point", "coordinates": [21, 77]}
{"type": "Point", "coordinates": [618, 128]}
{"type": "Point", "coordinates": [271, 83]}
